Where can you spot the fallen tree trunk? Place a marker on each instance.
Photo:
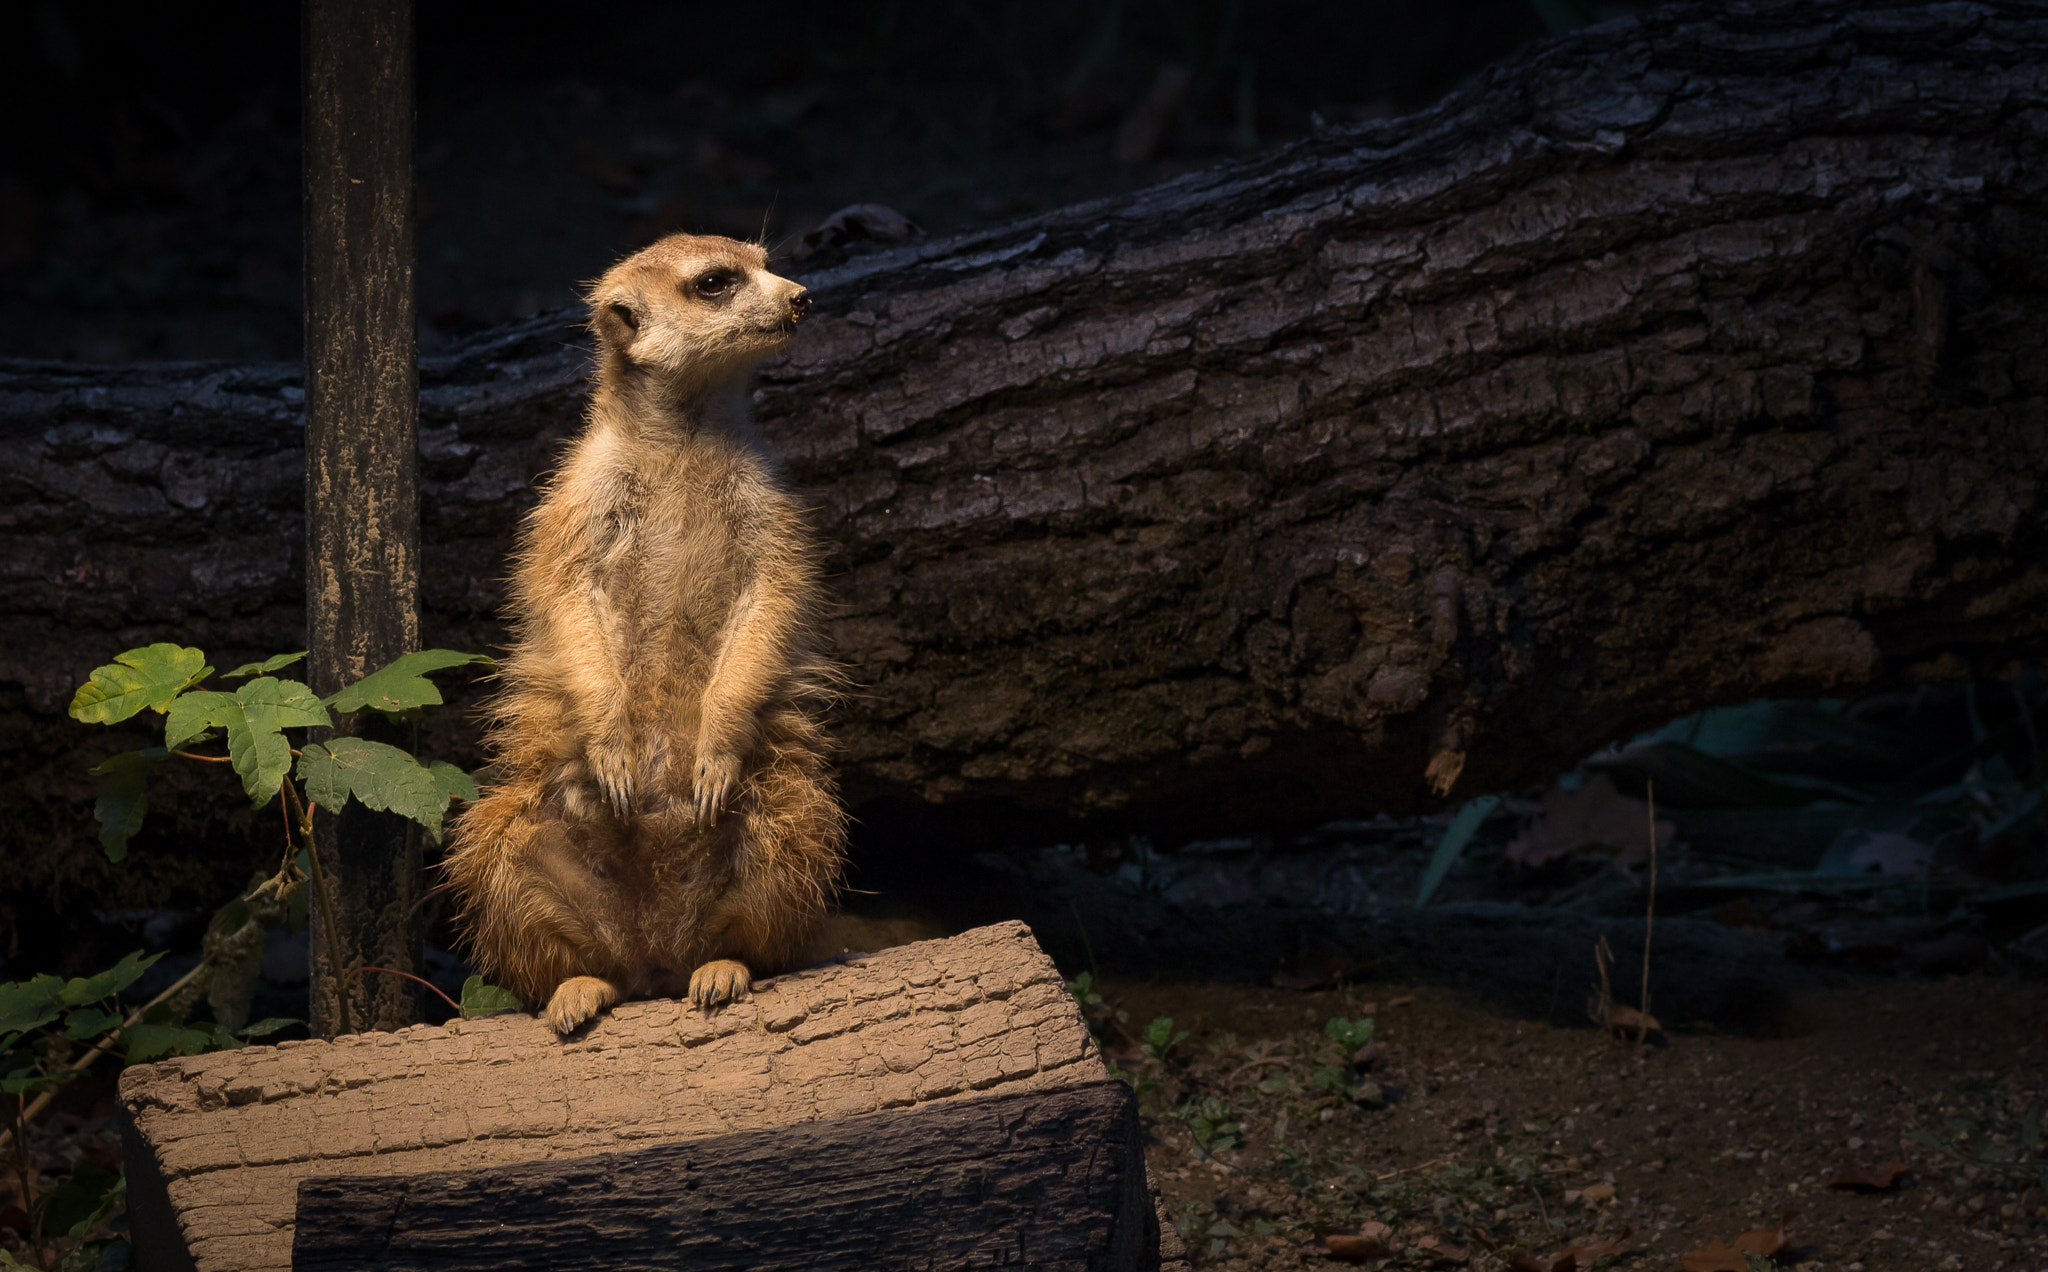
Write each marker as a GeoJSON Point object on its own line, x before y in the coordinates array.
{"type": "Point", "coordinates": [1684, 361]}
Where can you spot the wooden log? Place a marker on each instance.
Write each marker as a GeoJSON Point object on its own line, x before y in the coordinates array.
{"type": "Point", "coordinates": [1050, 1179]}
{"type": "Point", "coordinates": [218, 1144]}
{"type": "Point", "coordinates": [1682, 361]}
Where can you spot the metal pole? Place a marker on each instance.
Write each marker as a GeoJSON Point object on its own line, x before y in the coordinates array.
{"type": "Point", "coordinates": [362, 430]}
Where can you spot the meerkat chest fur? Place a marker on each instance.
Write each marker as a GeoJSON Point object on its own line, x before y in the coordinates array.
{"type": "Point", "coordinates": [676, 537]}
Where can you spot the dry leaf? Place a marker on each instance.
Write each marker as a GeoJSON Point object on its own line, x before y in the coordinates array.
{"type": "Point", "coordinates": [1574, 1258]}
{"type": "Point", "coordinates": [1369, 1242]}
{"type": "Point", "coordinates": [1598, 1192]}
{"type": "Point", "coordinates": [1620, 1020]}
{"type": "Point", "coordinates": [1595, 815]}
{"type": "Point", "coordinates": [1766, 1241]}
{"type": "Point", "coordinates": [1880, 1179]}
{"type": "Point", "coordinates": [1442, 773]}
{"type": "Point", "coordinates": [1435, 1248]}
{"type": "Point", "coordinates": [1715, 1258]}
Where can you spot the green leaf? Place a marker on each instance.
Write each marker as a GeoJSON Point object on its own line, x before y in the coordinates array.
{"type": "Point", "coordinates": [382, 777]}
{"type": "Point", "coordinates": [38, 1082]}
{"type": "Point", "coordinates": [1349, 1034]}
{"type": "Point", "coordinates": [148, 677]}
{"type": "Point", "coordinates": [78, 1197]}
{"type": "Point", "coordinates": [29, 1004]}
{"type": "Point", "coordinates": [454, 783]}
{"type": "Point", "coordinates": [121, 798]}
{"type": "Point", "coordinates": [91, 989]}
{"type": "Point", "coordinates": [253, 717]}
{"type": "Point", "coordinates": [401, 684]}
{"type": "Point", "coordinates": [1455, 837]}
{"type": "Point", "coordinates": [147, 1042]}
{"type": "Point", "coordinates": [264, 668]}
{"type": "Point", "coordinates": [268, 1025]}
{"type": "Point", "coordinates": [89, 1022]}
{"type": "Point", "coordinates": [479, 999]}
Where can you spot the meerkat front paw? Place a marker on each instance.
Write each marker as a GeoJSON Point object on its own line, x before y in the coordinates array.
{"type": "Point", "coordinates": [722, 980]}
{"type": "Point", "coordinates": [578, 999]}
{"type": "Point", "coordinates": [612, 769]}
{"type": "Point", "coordinates": [718, 775]}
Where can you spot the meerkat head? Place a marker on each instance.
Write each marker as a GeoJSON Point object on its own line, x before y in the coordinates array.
{"type": "Point", "coordinates": [694, 308]}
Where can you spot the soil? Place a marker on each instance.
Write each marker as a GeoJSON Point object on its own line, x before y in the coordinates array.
{"type": "Point", "coordinates": [1495, 1133]}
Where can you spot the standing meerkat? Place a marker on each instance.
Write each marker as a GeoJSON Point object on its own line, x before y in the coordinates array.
{"type": "Point", "coordinates": [664, 822]}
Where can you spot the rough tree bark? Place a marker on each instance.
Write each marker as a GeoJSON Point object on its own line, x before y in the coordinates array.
{"type": "Point", "coordinates": [1682, 361]}
{"type": "Point", "coordinates": [362, 467]}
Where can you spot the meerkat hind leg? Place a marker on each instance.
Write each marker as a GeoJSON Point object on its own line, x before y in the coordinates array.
{"type": "Point", "coordinates": [722, 980]}
{"type": "Point", "coordinates": [578, 999]}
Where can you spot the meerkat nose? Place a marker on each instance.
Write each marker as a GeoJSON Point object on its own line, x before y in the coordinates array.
{"type": "Point", "coordinates": [800, 304]}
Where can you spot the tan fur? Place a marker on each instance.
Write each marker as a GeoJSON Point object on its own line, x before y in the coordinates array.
{"type": "Point", "coordinates": [664, 822]}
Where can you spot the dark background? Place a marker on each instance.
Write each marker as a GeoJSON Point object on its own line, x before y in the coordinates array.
{"type": "Point", "coordinates": [150, 190]}
{"type": "Point", "coordinates": [149, 187]}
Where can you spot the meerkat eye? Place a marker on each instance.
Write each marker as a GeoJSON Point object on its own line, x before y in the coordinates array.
{"type": "Point", "coordinates": [715, 282]}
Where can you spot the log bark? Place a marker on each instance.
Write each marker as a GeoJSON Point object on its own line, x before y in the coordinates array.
{"type": "Point", "coordinates": [218, 1145]}
{"type": "Point", "coordinates": [1683, 361]}
{"type": "Point", "coordinates": [1049, 1180]}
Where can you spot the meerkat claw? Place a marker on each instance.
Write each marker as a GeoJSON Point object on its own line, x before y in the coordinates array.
{"type": "Point", "coordinates": [720, 981]}
{"type": "Point", "coordinates": [716, 777]}
{"type": "Point", "coordinates": [578, 999]}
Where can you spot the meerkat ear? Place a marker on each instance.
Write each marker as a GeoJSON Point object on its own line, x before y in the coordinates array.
{"type": "Point", "coordinates": [615, 322]}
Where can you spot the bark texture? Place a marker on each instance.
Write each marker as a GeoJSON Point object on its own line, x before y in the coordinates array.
{"type": "Point", "coordinates": [362, 465]}
{"type": "Point", "coordinates": [219, 1144]}
{"type": "Point", "coordinates": [1682, 361]}
{"type": "Point", "coordinates": [1051, 1180]}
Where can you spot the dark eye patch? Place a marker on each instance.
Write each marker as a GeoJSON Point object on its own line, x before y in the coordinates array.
{"type": "Point", "coordinates": [715, 282]}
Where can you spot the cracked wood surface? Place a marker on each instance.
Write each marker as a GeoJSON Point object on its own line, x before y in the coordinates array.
{"type": "Point", "coordinates": [218, 1144]}
{"type": "Point", "coordinates": [1683, 361]}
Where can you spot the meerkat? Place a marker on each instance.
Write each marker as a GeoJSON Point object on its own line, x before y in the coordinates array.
{"type": "Point", "coordinates": [665, 823]}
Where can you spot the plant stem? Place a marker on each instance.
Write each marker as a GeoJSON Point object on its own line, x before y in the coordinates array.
{"type": "Point", "coordinates": [106, 1044]}
{"type": "Point", "coordinates": [1649, 916]}
{"type": "Point", "coordinates": [326, 903]}
{"type": "Point", "coordinates": [392, 971]}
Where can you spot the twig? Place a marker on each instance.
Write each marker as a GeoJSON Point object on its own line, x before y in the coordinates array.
{"type": "Point", "coordinates": [1409, 1170]}
{"type": "Point", "coordinates": [326, 902]}
{"type": "Point", "coordinates": [210, 759]}
{"type": "Point", "coordinates": [392, 971]}
{"type": "Point", "coordinates": [105, 1045]}
{"type": "Point", "coordinates": [1256, 1064]}
{"type": "Point", "coordinates": [1649, 916]}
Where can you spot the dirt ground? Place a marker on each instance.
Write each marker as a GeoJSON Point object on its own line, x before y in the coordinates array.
{"type": "Point", "coordinates": [1475, 1135]}
{"type": "Point", "coordinates": [1492, 1133]}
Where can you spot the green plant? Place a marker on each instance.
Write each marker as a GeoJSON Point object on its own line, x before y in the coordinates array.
{"type": "Point", "coordinates": [251, 722]}
{"type": "Point", "coordinates": [1160, 1037]}
{"type": "Point", "coordinates": [1094, 1010]}
{"type": "Point", "coordinates": [1338, 1072]}
{"type": "Point", "coordinates": [1212, 1123]}
{"type": "Point", "coordinates": [1998, 1145]}
{"type": "Point", "coordinates": [45, 1020]}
